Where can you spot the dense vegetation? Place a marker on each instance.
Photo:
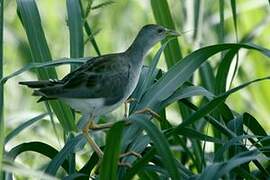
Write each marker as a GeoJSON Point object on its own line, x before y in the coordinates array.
{"type": "Point", "coordinates": [209, 87]}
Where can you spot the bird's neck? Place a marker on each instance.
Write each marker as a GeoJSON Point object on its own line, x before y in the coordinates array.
{"type": "Point", "coordinates": [138, 49]}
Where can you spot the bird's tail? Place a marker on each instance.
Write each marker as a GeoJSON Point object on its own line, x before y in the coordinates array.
{"type": "Point", "coordinates": [38, 84]}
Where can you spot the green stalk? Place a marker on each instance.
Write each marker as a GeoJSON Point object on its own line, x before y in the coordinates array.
{"type": "Point", "coordinates": [2, 129]}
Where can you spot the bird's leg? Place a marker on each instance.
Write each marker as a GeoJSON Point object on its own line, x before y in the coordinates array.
{"type": "Point", "coordinates": [92, 143]}
{"type": "Point", "coordinates": [126, 106]}
{"type": "Point", "coordinates": [148, 110]}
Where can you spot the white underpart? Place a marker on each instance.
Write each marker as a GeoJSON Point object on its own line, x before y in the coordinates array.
{"type": "Point", "coordinates": [94, 107]}
{"type": "Point", "coordinates": [85, 106]}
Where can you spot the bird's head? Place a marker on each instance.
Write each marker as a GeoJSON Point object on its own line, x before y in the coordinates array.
{"type": "Point", "coordinates": [148, 36]}
{"type": "Point", "coordinates": [153, 33]}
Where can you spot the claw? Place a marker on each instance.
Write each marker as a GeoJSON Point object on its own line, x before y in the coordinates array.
{"type": "Point", "coordinates": [96, 127]}
{"type": "Point", "coordinates": [148, 110]}
{"type": "Point", "coordinates": [131, 153]}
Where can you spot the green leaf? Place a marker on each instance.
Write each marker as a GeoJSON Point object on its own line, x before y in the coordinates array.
{"type": "Point", "coordinates": [254, 126]}
{"type": "Point", "coordinates": [211, 105]}
{"type": "Point", "coordinates": [207, 76]}
{"type": "Point", "coordinates": [150, 75]}
{"type": "Point", "coordinates": [163, 17]}
{"type": "Point", "coordinates": [23, 126]}
{"type": "Point", "coordinates": [43, 65]}
{"type": "Point", "coordinates": [187, 92]}
{"type": "Point", "coordinates": [23, 173]}
{"type": "Point", "coordinates": [183, 70]}
{"type": "Point", "coordinates": [234, 13]}
{"type": "Point", "coordinates": [193, 134]}
{"type": "Point", "coordinates": [75, 176]}
{"type": "Point", "coordinates": [198, 19]}
{"type": "Point", "coordinates": [2, 125]}
{"type": "Point", "coordinates": [75, 25]}
{"type": "Point", "coordinates": [223, 71]}
{"type": "Point", "coordinates": [137, 166]}
{"type": "Point", "coordinates": [38, 147]}
{"type": "Point", "coordinates": [161, 144]}
{"type": "Point", "coordinates": [31, 21]}
{"type": "Point", "coordinates": [87, 27]}
{"type": "Point", "coordinates": [221, 23]}
{"type": "Point", "coordinates": [234, 141]}
{"type": "Point", "coordinates": [112, 151]}
{"type": "Point", "coordinates": [61, 157]}
{"type": "Point", "coordinates": [217, 170]}
{"type": "Point", "coordinates": [91, 163]}
{"type": "Point", "coordinates": [103, 4]}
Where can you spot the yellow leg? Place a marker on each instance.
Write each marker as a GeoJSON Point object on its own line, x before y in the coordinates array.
{"type": "Point", "coordinates": [148, 110]}
{"type": "Point", "coordinates": [92, 143]}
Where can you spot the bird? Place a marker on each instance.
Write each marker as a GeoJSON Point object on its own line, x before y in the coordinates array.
{"type": "Point", "coordinates": [102, 83]}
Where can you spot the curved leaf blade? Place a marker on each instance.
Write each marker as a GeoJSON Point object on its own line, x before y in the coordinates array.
{"type": "Point", "coordinates": [161, 145]}
{"type": "Point", "coordinates": [23, 126]}
{"type": "Point", "coordinates": [112, 152]}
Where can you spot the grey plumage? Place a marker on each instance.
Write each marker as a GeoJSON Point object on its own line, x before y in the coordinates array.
{"type": "Point", "coordinates": [102, 83]}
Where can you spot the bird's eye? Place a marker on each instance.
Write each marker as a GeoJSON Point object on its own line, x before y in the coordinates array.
{"type": "Point", "coordinates": [160, 31]}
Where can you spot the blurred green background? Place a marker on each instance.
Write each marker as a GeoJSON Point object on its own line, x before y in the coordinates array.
{"type": "Point", "coordinates": [115, 26]}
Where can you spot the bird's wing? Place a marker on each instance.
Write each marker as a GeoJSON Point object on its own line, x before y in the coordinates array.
{"type": "Point", "coordinates": [102, 77]}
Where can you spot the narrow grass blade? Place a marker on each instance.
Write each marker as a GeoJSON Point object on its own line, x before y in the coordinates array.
{"type": "Point", "coordinates": [87, 27]}
{"type": "Point", "coordinates": [183, 70]}
{"type": "Point", "coordinates": [254, 126]}
{"type": "Point", "coordinates": [31, 21]}
{"type": "Point", "coordinates": [234, 13]}
{"type": "Point", "coordinates": [211, 105]}
{"type": "Point", "coordinates": [43, 65]}
{"type": "Point", "coordinates": [103, 4]}
{"type": "Point", "coordinates": [187, 92]}
{"type": "Point", "coordinates": [39, 147]}
{"type": "Point", "coordinates": [221, 22]}
{"type": "Point", "coordinates": [89, 166]}
{"type": "Point", "coordinates": [163, 17]}
{"type": "Point", "coordinates": [217, 170]}
{"type": "Point", "coordinates": [234, 141]}
{"type": "Point", "coordinates": [223, 71]}
{"type": "Point", "coordinates": [75, 176]}
{"type": "Point", "coordinates": [161, 145]}
{"type": "Point", "coordinates": [207, 76]}
{"type": "Point", "coordinates": [198, 20]}
{"type": "Point", "coordinates": [233, 6]}
{"type": "Point", "coordinates": [25, 173]}
{"type": "Point", "coordinates": [23, 126]}
{"type": "Point", "coordinates": [75, 25]}
{"type": "Point", "coordinates": [137, 166]}
{"type": "Point", "coordinates": [60, 158]}
{"type": "Point", "coordinates": [150, 75]}
{"type": "Point", "coordinates": [112, 152]}
{"type": "Point", "coordinates": [2, 124]}
{"type": "Point", "coordinates": [172, 52]}
{"type": "Point", "coordinates": [193, 134]}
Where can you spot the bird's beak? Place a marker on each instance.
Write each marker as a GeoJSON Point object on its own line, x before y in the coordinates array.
{"type": "Point", "coordinates": [170, 32]}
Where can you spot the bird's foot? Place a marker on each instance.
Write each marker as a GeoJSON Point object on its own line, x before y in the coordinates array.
{"type": "Point", "coordinates": [148, 110]}
{"type": "Point", "coordinates": [130, 100]}
{"type": "Point", "coordinates": [91, 142]}
{"type": "Point", "coordinates": [96, 127]}
{"type": "Point", "coordinates": [131, 153]}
